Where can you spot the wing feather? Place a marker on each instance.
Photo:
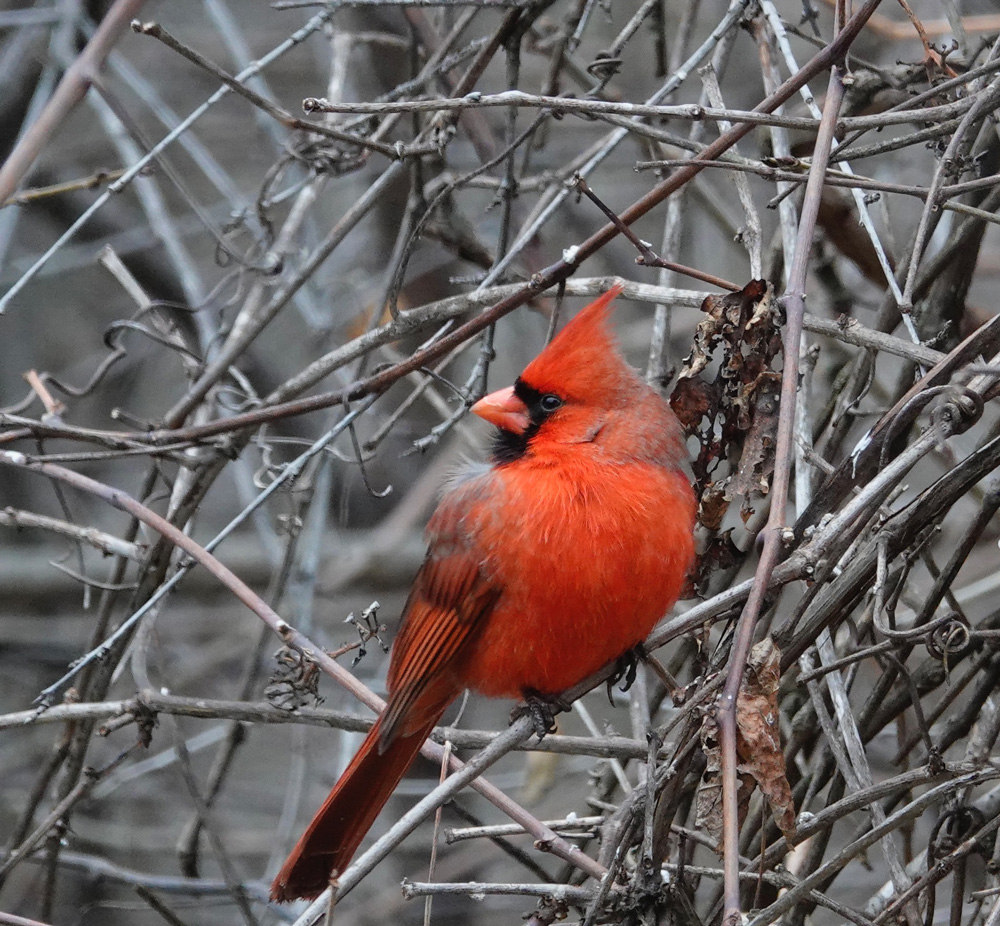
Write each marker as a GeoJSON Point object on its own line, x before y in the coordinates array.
{"type": "Point", "coordinates": [447, 608]}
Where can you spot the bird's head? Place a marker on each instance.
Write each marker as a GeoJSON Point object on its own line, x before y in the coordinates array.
{"type": "Point", "coordinates": [566, 394]}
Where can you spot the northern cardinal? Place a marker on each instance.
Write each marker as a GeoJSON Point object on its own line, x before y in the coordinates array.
{"type": "Point", "coordinates": [543, 566]}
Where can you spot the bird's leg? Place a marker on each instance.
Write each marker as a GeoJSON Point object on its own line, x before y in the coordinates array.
{"type": "Point", "coordinates": [542, 710]}
{"type": "Point", "coordinates": [625, 669]}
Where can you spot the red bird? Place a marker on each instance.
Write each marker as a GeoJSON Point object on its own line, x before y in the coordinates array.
{"type": "Point", "coordinates": [543, 566]}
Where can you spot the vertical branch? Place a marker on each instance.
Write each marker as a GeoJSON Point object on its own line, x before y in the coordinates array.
{"type": "Point", "coordinates": [794, 302]}
{"type": "Point", "coordinates": [657, 371]}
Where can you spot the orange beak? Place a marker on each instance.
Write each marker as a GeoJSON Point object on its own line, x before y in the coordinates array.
{"type": "Point", "coordinates": [504, 409]}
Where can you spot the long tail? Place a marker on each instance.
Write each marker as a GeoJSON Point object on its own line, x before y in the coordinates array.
{"type": "Point", "coordinates": [347, 814]}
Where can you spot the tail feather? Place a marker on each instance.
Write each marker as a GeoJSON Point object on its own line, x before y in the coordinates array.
{"type": "Point", "coordinates": [347, 814]}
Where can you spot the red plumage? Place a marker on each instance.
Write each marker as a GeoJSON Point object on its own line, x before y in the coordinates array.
{"type": "Point", "coordinates": [541, 568]}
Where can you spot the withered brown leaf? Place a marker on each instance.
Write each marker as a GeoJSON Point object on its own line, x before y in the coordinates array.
{"type": "Point", "coordinates": [727, 396]}
{"type": "Point", "coordinates": [758, 745]}
{"type": "Point", "coordinates": [758, 749]}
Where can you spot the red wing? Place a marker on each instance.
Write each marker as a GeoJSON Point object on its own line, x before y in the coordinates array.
{"type": "Point", "coordinates": [448, 604]}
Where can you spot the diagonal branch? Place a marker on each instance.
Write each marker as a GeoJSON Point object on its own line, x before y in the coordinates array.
{"type": "Point", "coordinates": [71, 90]}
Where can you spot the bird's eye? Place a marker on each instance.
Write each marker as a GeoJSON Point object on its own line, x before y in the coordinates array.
{"type": "Point", "coordinates": [550, 402]}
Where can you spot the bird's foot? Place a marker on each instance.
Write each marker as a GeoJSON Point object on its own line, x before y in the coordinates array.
{"type": "Point", "coordinates": [542, 710]}
{"type": "Point", "coordinates": [625, 669]}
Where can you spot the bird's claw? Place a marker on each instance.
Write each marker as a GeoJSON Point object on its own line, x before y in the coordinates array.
{"type": "Point", "coordinates": [625, 668]}
{"type": "Point", "coordinates": [542, 710]}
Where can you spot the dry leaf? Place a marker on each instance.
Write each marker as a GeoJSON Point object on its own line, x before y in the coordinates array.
{"type": "Point", "coordinates": [732, 408]}
{"type": "Point", "coordinates": [758, 749]}
{"type": "Point", "coordinates": [691, 400]}
{"type": "Point", "coordinates": [758, 744]}
{"type": "Point", "coordinates": [720, 553]}
{"type": "Point", "coordinates": [713, 507]}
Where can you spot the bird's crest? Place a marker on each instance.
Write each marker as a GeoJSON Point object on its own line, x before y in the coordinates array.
{"type": "Point", "coordinates": [583, 359]}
